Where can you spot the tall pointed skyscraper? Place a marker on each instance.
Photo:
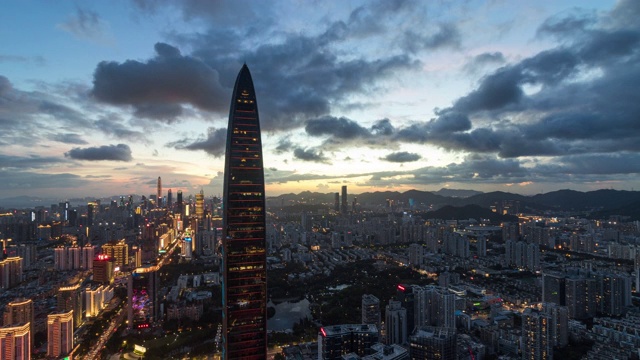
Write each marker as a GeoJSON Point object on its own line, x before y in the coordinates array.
{"type": "Point", "coordinates": [159, 195]}
{"type": "Point", "coordinates": [244, 286]}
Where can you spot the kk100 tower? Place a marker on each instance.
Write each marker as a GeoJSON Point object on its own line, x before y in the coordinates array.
{"type": "Point", "coordinates": [244, 286]}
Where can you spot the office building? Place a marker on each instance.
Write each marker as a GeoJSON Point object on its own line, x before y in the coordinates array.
{"type": "Point", "coordinates": [343, 207]}
{"type": "Point", "coordinates": [169, 199]}
{"type": "Point", "coordinates": [70, 298]}
{"type": "Point", "coordinates": [59, 334]}
{"type": "Point", "coordinates": [371, 310]}
{"type": "Point", "coordinates": [15, 342]}
{"type": "Point", "coordinates": [395, 323]}
{"type": "Point", "coordinates": [200, 207]}
{"type": "Point", "coordinates": [159, 193]}
{"type": "Point", "coordinates": [244, 285]}
{"type": "Point", "coordinates": [103, 269]}
{"type": "Point", "coordinates": [117, 250]}
{"type": "Point", "coordinates": [142, 290]}
{"type": "Point", "coordinates": [338, 340]}
{"type": "Point", "coordinates": [428, 342]}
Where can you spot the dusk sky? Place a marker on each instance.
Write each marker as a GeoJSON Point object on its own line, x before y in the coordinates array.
{"type": "Point", "coordinates": [99, 98]}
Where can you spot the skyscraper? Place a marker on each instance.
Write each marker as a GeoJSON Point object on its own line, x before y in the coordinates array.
{"type": "Point", "coordinates": [343, 208]}
{"type": "Point", "coordinates": [244, 286]}
{"type": "Point", "coordinates": [159, 195]}
{"type": "Point", "coordinates": [200, 207]}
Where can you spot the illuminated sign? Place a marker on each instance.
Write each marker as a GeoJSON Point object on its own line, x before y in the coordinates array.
{"type": "Point", "coordinates": [324, 333]}
{"type": "Point", "coordinates": [103, 257]}
{"type": "Point", "coordinates": [139, 349]}
{"type": "Point", "coordinates": [401, 288]}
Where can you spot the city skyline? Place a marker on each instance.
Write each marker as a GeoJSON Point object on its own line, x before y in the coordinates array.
{"type": "Point", "coordinates": [102, 99]}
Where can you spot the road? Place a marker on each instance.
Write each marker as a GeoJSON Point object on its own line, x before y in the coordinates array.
{"type": "Point", "coordinates": [102, 340]}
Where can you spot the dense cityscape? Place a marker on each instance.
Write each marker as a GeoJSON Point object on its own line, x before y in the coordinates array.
{"type": "Point", "coordinates": [134, 276]}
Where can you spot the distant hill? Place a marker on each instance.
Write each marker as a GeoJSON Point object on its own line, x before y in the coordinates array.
{"type": "Point", "coordinates": [457, 193]}
{"type": "Point", "coordinates": [576, 200]}
{"type": "Point", "coordinates": [562, 200]}
{"type": "Point", "coordinates": [468, 212]}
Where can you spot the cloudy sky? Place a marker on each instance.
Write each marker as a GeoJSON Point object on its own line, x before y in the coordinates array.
{"type": "Point", "coordinates": [100, 98]}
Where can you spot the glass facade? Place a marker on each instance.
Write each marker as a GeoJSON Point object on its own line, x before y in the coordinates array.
{"type": "Point", "coordinates": [244, 288]}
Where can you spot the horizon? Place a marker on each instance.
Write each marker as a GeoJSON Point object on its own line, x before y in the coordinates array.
{"type": "Point", "coordinates": [111, 96]}
{"type": "Point", "coordinates": [206, 196]}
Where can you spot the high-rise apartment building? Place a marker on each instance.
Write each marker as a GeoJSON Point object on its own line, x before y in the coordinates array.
{"type": "Point", "coordinates": [15, 342]}
{"type": "Point", "coordinates": [18, 312]}
{"type": "Point", "coordinates": [10, 272]}
{"type": "Point", "coordinates": [395, 323]}
{"type": "Point", "coordinates": [537, 344]}
{"type": "Point", "coordinates": [428, 342]}
{"type": "Point", "coordinates": [371, 310]}
{"type": "Point", "coordinates": [59, 334]}
{"type": "Point", "coordinates": [434, 306]}
{"type": "Point", "coordinates": [70, 298]}
{"type": "Point", "coordinates": [338, 340]}
{"type": "Point", "coordinates": [244, 286]}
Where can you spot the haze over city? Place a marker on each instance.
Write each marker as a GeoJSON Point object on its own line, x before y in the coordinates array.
{"type": "Point", "coordinates": [101, 98]}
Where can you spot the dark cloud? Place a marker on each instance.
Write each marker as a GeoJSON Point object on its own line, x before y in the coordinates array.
{"type": "Point", "coordinates": [483, 60]}
{"type": "Point", "coordinates": [214, 143]}
{"type": "Point", "coordinates": [158, 87]}
{"type": "Point", "coordinates": [446, 35]}
{"type": "Point", "coordinates": [120, 152]}
{"type": "Point", "coordinates": [28, 162]}
{"type": "Point", "coordinates": [301, 76]}
{"type": "Point", "coordinates": [382, 127]}
{"type": "Point", "coordinates": [583, 99]}
{"type": "Point", "coordinates": [69, 138]}
{"type": "Point", "coordinates": [310, 155]}
{"type": "Point", "coordinates": [284, 145]}
{"type": "Point", "coordinates": [402, 157]}
{"type": "Point", "coordinates": [113, 127]}
{"type": "Point", "coordinates": [22, 182]}
{"type": "Point", "coordinates": [338, 127]}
